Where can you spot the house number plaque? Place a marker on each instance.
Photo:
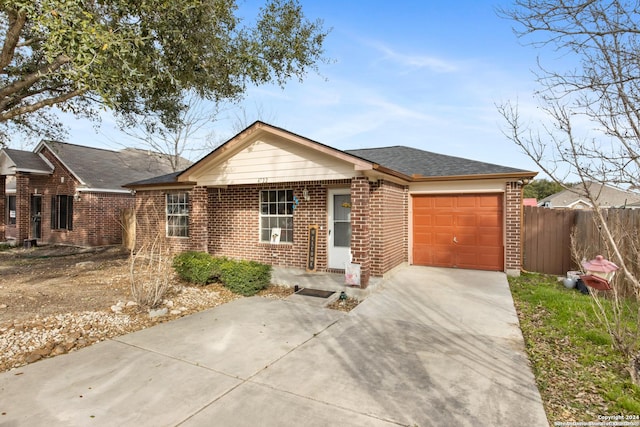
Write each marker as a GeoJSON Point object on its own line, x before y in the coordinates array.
{"type": "Point", "coordinates": [311, 248]}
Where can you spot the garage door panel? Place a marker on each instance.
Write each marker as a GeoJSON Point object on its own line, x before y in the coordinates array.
{"type": "Point", "coordinates": [435, 255]}
{"type": "Point", "coordinates": [443, 202]}
{"type": "Point", "coordinates": [464, 231]}
{"type": "Point", "coordinates": [466, 201]}
{"type": "Point", "coordinates": [465, 238]}
{"type": "Point", "coordinates": [490, 201]}
{"type": "Point", "coordinates": [489, 241]}
{"type": "Point", "coordinates": [442, 220]}
{"type": "Point", "coordinates": [442, 239]}
{"type": "Point", "coordinates": [423, 239]}
{"type": "Point", "coordinates": [478, 261]}
{"type": "Point", "coordinates": [487, 220]}
{"type": "Point", "coordinates": [466, 220]}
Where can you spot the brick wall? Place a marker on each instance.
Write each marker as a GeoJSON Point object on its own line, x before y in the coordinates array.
{"type": "Point", "coordinates": [3, 211]}
{"type": "Point", "coordinates": [97, 219]}
{"type": "Point", "coordinates": [231, 223]}
{"type": "Point", "coordinates": [151, 221]}
{"type": "Point", "coordinates": [234, 221]}
{"type": "Point", "coordinates": [3, 208]}
{"type": "Point", "coordinates": [23, 224]}
{"type": "Point", "coordinates": [513, 229]}
{"type": "Point", "coordinates": [199, 218]}
{"type": "Point", "coordinates": [361, 227]}
{"type": "Point", "coordinates": [389, 226]}
{"type": "Point", "coordinates": [96, 216]}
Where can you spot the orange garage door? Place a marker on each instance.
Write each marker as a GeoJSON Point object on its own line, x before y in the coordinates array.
{"type": "Point", "coordinates": [461, 230]}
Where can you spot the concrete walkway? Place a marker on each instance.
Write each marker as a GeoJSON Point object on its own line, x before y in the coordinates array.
{"type": "Point", "coordinates": [431, 347]}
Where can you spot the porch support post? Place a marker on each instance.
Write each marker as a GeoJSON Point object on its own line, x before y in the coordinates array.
{"type": "Point", "coordinates": [23, 220]}
{"type": "Point", "coordinates": [198, 233]}
{"type": "Point", "coordinates": [513, 228]}
{"type": "Point", "coordinates": [360, 227]}
{"type": "Point", "coordinates": [3, 207]}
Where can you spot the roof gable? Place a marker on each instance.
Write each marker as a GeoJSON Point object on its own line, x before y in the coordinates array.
{"type": "Point", "coordinates": [12, 161]}
{"type": "Point", "coordinates": [263, 153]}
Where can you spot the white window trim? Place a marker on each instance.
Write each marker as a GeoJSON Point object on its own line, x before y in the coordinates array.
{"type": "Point", "coordinates": [277, 240]}
{"type": "Point", "coordinates": [167, 214]}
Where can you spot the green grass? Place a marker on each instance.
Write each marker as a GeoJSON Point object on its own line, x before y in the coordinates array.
{"type": "Point", "coordinates": [579, 374]}
{"type": "Point", "coordinates": [5, 247]}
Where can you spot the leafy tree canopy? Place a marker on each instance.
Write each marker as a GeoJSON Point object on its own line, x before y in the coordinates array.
{"type": "Point", "coordinates": [541, 188]}
{"type": "Point", "coordinates": [138, 57]}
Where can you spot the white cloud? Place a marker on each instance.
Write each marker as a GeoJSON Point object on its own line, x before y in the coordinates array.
{"type": "Point", "coordinates": [416, 61]}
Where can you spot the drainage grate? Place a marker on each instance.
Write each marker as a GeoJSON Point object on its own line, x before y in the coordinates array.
{"type": "Point", "coordinates": [315, 293]}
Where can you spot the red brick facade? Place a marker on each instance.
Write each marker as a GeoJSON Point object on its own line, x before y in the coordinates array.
{"type": "Point", "coordinates": [232, 219]}
{"type": "Point", "coordinates": [360, 226]}
{"type": "Point", "coordinates": [513, 228]}
{"type": "Point", "coordinates": [96, 215]}
{"type": "Point", "coordinates": [389, 226]}
{"type": "Point", "coordinates": [226, 222]}
{"type": "Point", "coordinates": [3, 212]}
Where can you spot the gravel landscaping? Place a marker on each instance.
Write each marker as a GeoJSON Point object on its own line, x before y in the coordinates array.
{"type": "Point", "coordinates": [54, 300]}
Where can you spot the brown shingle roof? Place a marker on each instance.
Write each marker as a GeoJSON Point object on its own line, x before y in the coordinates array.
{"type": "Point", "coordinates": [109, 170]}
{"type": "Point", "coordinates": [28, 161]}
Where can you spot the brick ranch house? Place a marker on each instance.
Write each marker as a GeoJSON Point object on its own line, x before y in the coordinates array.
{"type": "Point", "coordinates": [63, 193]}
{"type": "Point", "coordinates": [265, 193]}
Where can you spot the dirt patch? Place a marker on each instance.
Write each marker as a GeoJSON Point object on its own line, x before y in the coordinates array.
{"type": "Point", "coordinates": [54, 300]}
{"type": "Point", "coordinates": [57, 279]}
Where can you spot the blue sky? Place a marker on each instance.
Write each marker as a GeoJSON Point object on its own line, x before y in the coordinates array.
{"type": "Point", "coordinates": [424, 74]}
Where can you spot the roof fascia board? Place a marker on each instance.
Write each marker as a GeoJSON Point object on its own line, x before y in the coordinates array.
{"type": "Point", "coordinates": [575, 202]}
{"type": "Point", "coordinates": [164, 186]}
{"type": "Point", "coordinates": [102, 190]}
{"type": "Point", "coordinates": [509, 176]}
{"type": "Point", "coordinates": [33, 171]}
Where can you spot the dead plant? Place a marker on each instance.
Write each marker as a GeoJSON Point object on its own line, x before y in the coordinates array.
{"type": "Point", "coordinates": [150, 271]}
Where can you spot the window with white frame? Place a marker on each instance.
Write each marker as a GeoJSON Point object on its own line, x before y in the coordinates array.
{"type": "Point", "coordinates": [177, 215]}
{"type": "Point", "coordinates": [276, 216]}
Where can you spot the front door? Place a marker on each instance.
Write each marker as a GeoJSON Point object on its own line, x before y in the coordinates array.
{"type": "Point", "coordinates": [36, 217]}
{"type": "Point", "coordinates": [339, 228]}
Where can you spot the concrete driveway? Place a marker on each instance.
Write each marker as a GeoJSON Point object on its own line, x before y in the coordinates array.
{"type": "Point", "coordinates": [432, 347]}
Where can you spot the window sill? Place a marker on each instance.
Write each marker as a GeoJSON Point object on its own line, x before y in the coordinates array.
{"type": "Point", "coordinates": [276, 244]}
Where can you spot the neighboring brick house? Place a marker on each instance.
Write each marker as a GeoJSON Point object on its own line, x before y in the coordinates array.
{"type": "Point", "coordinates": [262, 194]}
{"type": "Point", "coordinates": [70, 194]}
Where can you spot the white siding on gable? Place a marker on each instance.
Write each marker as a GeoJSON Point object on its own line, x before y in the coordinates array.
{"type": "Point", "coordinates": [274, 160]}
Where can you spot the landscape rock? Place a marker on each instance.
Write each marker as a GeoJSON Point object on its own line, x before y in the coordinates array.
{"type": "Point", "coordinates": [158, 313]}
{"type": "Point", "coordinates": [85, 264]}
{"type": "Point", "coordinates": [33, 357]}
{"type": "Point", "coordinates": [58, 350]}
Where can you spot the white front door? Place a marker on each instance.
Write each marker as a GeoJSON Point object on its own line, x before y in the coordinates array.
{"type": "Point", "coordinates": [339, 227]}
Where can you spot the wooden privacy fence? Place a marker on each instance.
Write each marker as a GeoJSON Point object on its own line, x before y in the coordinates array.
{"type": "Point", "coordinates": [546, 246]}
{"type": "Point", "coordinates": [547, 237]}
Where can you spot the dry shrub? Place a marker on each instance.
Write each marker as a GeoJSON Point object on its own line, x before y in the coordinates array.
{"type": "Point", "coordinates": [150, 270]}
